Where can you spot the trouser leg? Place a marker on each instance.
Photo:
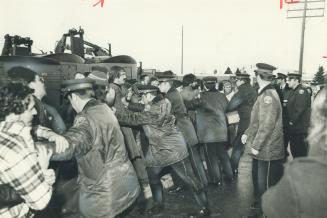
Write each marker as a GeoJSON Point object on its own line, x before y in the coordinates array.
{"type": "Point", "coordinates": [255, 178]}
{"type": "Point", "coordinates": [155, 183]}
{"type": "Point", "coordinates": [185, 171]}
{"type": "Point", "coordinates": [210, 151]}
{"type": "Point", "coordinates": [286, 139]}
{"type": "Point", "coordinates": [197, 164]}
{"type": "Point", "coordinates": [238, 149]}
{"type": "Point", "coordinates": [269, 173]}
{"type": "Point", "coordinates": [299, 146]}
{"type": "Point", "coordinates": [224, 160]}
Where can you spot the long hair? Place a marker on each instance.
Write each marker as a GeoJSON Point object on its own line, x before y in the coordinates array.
{"type": "Point", "coordinates": [13, 99]}
{"type": "Point", "coordinates": [318, 125]}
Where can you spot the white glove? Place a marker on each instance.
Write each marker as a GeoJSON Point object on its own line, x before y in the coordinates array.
{"type": "Point", "coordinates": [244, 138]}
{"type": "Point", "coordinates": [254, 151]}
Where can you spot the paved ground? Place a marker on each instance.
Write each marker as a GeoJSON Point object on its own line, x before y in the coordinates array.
{"type": "Point", "coordinates": [228, 201]}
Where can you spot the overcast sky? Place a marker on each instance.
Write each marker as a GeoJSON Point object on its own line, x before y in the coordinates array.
{"type": "Point", "coordinates": [217, 33]}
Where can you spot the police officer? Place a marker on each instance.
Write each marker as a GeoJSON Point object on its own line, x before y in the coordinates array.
{"type": "Point", "coordinates": [107, 180]}
{"type": "Point", "coordinates": [183, 122]}
{"type": "Point", "coordinates": [264, 137]}
{"type": "Point", "coordinates": [167, 147]}
{"type": "Point", "coordinates": [211, 125]}
{"type": "Point", "coordinates": [283, 91]}
{"type": "Point", "coordinates": [298, 115]}
{"type": "Point", "coordinates": [242, 101]}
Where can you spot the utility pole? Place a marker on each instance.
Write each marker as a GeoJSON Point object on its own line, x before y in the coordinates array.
{"type": "Point", "coordinates": [315, 6]}
{"type": "Point", "coordinates": [182, 61]}
{"type": "Point", "coordinates": [302, 36]}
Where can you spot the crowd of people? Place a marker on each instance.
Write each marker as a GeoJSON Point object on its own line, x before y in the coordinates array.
{"type": "Point", "coordinates": [104, 151]}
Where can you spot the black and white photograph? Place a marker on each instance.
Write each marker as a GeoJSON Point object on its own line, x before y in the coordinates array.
{"type": "Point", "coordinates": [163, 109]}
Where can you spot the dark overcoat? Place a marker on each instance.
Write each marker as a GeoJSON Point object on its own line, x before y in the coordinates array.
{"type": "Point", "coordinates": [298, 110]}
{"type": "Point", "coordinates": [183, 121]}
{"type": "Point", "coordinates": [212, 124]}
{"type": "Point", "coordinates": [243, 101]}
{"type": "Point", "coordinates": [107, 180]}
{"type": "Point", "coordinates": [167, 144]}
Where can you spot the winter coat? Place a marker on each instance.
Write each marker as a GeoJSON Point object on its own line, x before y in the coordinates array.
{"type": "Point", "coordinates": [301, 193]}
{"type": "Point", "coordinates": [212, 124]}
{"type": "Point", "coordinates": [107, 180]}
{"type": "Point", "coordinates": [167, 144]}
{"type": "Point", "coordinates": [127, 119]}
{"type": "Point", "coordinates": [298, 110]}
{"type": "Point", "coordinates": [243, 101]}
{"type": "Point", "coordinates": [183, 121]}
{"type": "Point", "coordinates": [265, 131]}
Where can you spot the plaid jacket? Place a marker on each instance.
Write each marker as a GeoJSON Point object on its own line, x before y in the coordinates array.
{"type": "Point", "coordinates": [20, 169]}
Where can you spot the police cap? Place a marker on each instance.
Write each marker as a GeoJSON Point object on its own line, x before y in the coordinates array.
{"type": "Point", "coordinates": [264, 69]}
{"type": "Point", "coordinates": [242, 76]}
{"type": "Point", "coordinates": [294, 75]}
{"type": "Point", "coordinates": [188, 79]}
{"type": "Point", "coordinates": [77, 84]}
{"type": "Point", "coordinates": [281, 76]}
{"type": "Point", "coordinates": [143, 89]}
{"type": "Point", "coordinates": [210, 79]}
{"type": "Point", "coordinates": [165, 76]}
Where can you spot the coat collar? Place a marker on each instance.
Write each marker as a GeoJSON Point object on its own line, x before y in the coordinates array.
{"type": "Point", "coordinates": [92, 102]}
{"type": "Point", "coordinates": [270, 86]}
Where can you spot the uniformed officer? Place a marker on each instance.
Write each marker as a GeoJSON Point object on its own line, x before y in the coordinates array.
{"type": "Point", "coordinates": [117, 92]}
{"type": "Point", "coordinates": [211, 128]}
{"type": "Point", "coordinates": [107, 180]}
{"type": "Point", "coordinates": [242, 101]}
{"type": "Point", "coordinates": [167, 147]}
{"type": "Point", "coordinates": [264, 137]}
{"type": "Point", "coordinates": [298, 115]}
{"type": "Point", "coordinates": [183, 122]}
{"type": "Point", "coordinates": [283, 91]}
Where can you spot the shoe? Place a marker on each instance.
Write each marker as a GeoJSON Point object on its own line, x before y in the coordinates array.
{"type": "Point", "coordinates": [255, 206]}
{"type": "Point", "coordinates": [204, 212]}
{"type": "Point", "coordinates": [156, 209]}
{"type": "Point", "coordinates": [175, 189]}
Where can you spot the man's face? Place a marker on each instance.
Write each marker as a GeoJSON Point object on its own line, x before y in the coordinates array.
{"type": "Point", "coordinates": [27, 116]}
{"type": "Point", "coordinates": [279, 81]}
{"type": "Point", "coordinates": [292, 83]}
{"type": "Point", "coordinates": [164, 86]}
{"type": "Point", "coordinates": [38, 86]}
{"type": "Point", "coordinates": [122, 77]}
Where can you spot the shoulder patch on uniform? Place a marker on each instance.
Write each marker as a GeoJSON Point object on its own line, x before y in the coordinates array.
{"type": "Point", "coordinates": [267, 99]}
{"type": "Point", "coordinates": [79, 120]}
{"type": "Point", "coordinates": [301, 91]}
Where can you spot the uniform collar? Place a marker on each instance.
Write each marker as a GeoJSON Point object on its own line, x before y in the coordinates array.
{"type": "Point", "coordinates": [269, 86]}
{"type": "Point", "coordinates": [90, 103]}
